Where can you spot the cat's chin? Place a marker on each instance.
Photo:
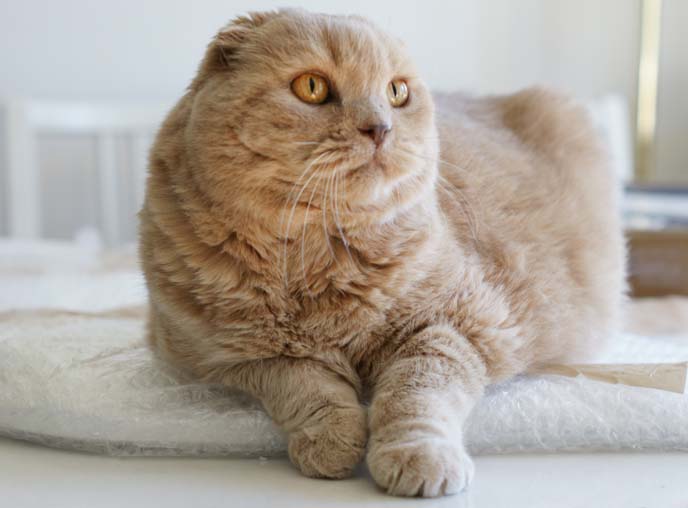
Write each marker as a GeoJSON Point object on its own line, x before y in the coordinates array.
{"type": "Point", "coordinates": [383, 169]}
{"type": "Point", "coordinates": [381, 199]}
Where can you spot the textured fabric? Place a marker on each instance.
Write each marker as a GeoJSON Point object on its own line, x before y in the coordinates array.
{"type": "Point", "coordinates": [89, 382]}
{"type": "Point", "coordinates": [74, 380]}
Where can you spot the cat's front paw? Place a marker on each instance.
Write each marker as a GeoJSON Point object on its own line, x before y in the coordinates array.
{"type": "Point", "coordinates": [428, 466]}
{"type": "Point", "coordinates": [331, 446]}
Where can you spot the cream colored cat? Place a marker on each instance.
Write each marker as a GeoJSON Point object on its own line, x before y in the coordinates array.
{"type": "Point", "coordinates": [316, 234]}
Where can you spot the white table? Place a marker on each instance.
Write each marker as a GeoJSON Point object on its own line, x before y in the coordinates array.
{"type": "Point", "coordinates": [33, 476]}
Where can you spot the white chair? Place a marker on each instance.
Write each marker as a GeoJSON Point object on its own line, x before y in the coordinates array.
{"type": "Point", "coordinates": [25, 120]}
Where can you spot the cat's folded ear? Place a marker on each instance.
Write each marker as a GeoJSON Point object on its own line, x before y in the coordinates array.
{"type": "Point", "coordinates": [231, 36]}
{"type": "Point", "coordinates": [221, 50]}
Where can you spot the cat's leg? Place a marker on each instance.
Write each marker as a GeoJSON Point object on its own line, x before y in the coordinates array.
{"type": "Point", "coordinates": [317, 406]}
{"type": "Point", "coordinates": [421, 399]}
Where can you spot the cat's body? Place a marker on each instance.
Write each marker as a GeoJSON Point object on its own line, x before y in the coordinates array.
{"type": "Point", "coordinates": [406, 278]}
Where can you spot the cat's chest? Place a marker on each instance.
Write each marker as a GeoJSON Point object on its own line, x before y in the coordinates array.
{"type": "Point", "coordinates": [341, 317]}
{"type": "Point", "coordinates": [333, 318]}
{"type": "Point", "coordinates": [351, 305]}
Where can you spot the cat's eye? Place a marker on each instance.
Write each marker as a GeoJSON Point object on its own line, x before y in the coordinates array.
{"type": "Point", "coordinates": [397, 92]}
{"type": "Point", "coordinates": [310, 88]}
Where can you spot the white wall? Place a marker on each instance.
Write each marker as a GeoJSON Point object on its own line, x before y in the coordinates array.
{"type": "Point", "coordinates": [3, 161]}
{"type": "Point", "coordinates": [671, 158]}
{"type": "Point", "coordinates": [148, 50]}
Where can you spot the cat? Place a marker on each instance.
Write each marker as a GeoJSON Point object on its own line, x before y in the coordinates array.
{"type": "Point", "coordinates": [322, 233]}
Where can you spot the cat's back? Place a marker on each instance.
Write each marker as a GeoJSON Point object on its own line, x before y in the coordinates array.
{"type": "Point", "coordinates": [535, 136]}
{"type": "Point", "coordinates": [536, 183]}
{"type": "Point", "coordinates": [528, 163]}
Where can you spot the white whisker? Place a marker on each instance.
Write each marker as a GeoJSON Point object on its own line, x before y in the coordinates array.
{"type": "Point", "coordinates": [448, 187]}
{"type": "Point", "coordinates": [337, 220]}
{"type": "Point", "coordinates": [291, 193]}
{"type": "Point", "coordinates": [324, 215]}
{"type": "Point", "coordinates": [316, 164]}
{"type": "Point", "coordinates": [303, 241]}
{"type": "Point", "coordinates": [293, 210]}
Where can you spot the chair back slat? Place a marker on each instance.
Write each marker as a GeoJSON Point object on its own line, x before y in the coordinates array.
{"type": "Point", "coordinates": [108, 124]}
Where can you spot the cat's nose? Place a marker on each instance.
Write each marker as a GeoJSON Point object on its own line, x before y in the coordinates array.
{"type": "Point", "coordinates": [376, 131]}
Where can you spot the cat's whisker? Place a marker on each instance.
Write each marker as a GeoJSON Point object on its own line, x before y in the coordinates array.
{"type": "Point", "coordinates": [289, 196]}
{"type": "Point", "coordinates": [303, 239]}
{"type": "Point", "coordinates": [429, 138]}
{"type": "Point", "coordinates": [466, 209]}
{"type": "Point", "coordinates": [337, 221]}
{"type": "Point", "coordinates": [433, 160]}
{"type": "Point", "coordinates": [336, 210]}
{"type": "Point", "coordinates": [326, 194]}
{"type": "Point", "coordinates": [283, 215]}
{"type": "Point", "coordinates": [437, 159]}
{"type": "Point", "coordinates": [455, 166]}
{"type": "Point", "coordinates": [293, 210]}
{"type": "Point", "coordinates": [318, 163]}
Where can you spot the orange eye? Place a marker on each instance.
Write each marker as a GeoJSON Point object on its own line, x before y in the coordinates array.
{"type": "Point", "coordinates": [397, 92]}
{"type": "Point", "coordinates": [310, 88]}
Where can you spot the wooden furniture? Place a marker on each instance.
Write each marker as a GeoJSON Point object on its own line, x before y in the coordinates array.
{"type": "Point", "coordinates": [658, 262]}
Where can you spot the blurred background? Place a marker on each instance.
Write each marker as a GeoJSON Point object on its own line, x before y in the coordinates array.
{"type": "Point", "coordinates": [83, 87]}
{"type": "Point", "coordinates": [84, 84]}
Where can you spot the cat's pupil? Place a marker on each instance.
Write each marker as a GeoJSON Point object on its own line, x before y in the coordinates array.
{"type": "Point", "coordinates": [394, 89]}
{"type": "Point", "coordinates": [311, 83]}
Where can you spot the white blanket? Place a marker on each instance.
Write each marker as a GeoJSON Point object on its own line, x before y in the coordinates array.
{"type": "Point", "coordinates": [87, 381]}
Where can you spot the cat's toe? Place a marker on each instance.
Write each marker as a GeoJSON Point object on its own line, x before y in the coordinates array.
{"type": "Point", "coordinates": [420, 467]}
{"type": "Point", "coordinates": [331, 447]}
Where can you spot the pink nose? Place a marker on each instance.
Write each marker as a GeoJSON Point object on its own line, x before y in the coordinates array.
{"type": "Point", "coordinates": [376, 132]}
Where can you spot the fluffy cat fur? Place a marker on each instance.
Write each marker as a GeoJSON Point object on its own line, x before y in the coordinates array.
{"type": "Point", "coordinates": [289, 257]}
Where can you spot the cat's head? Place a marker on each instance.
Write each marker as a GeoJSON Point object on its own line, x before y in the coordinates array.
{"type": "Point", "coordinates": [291, 108]}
